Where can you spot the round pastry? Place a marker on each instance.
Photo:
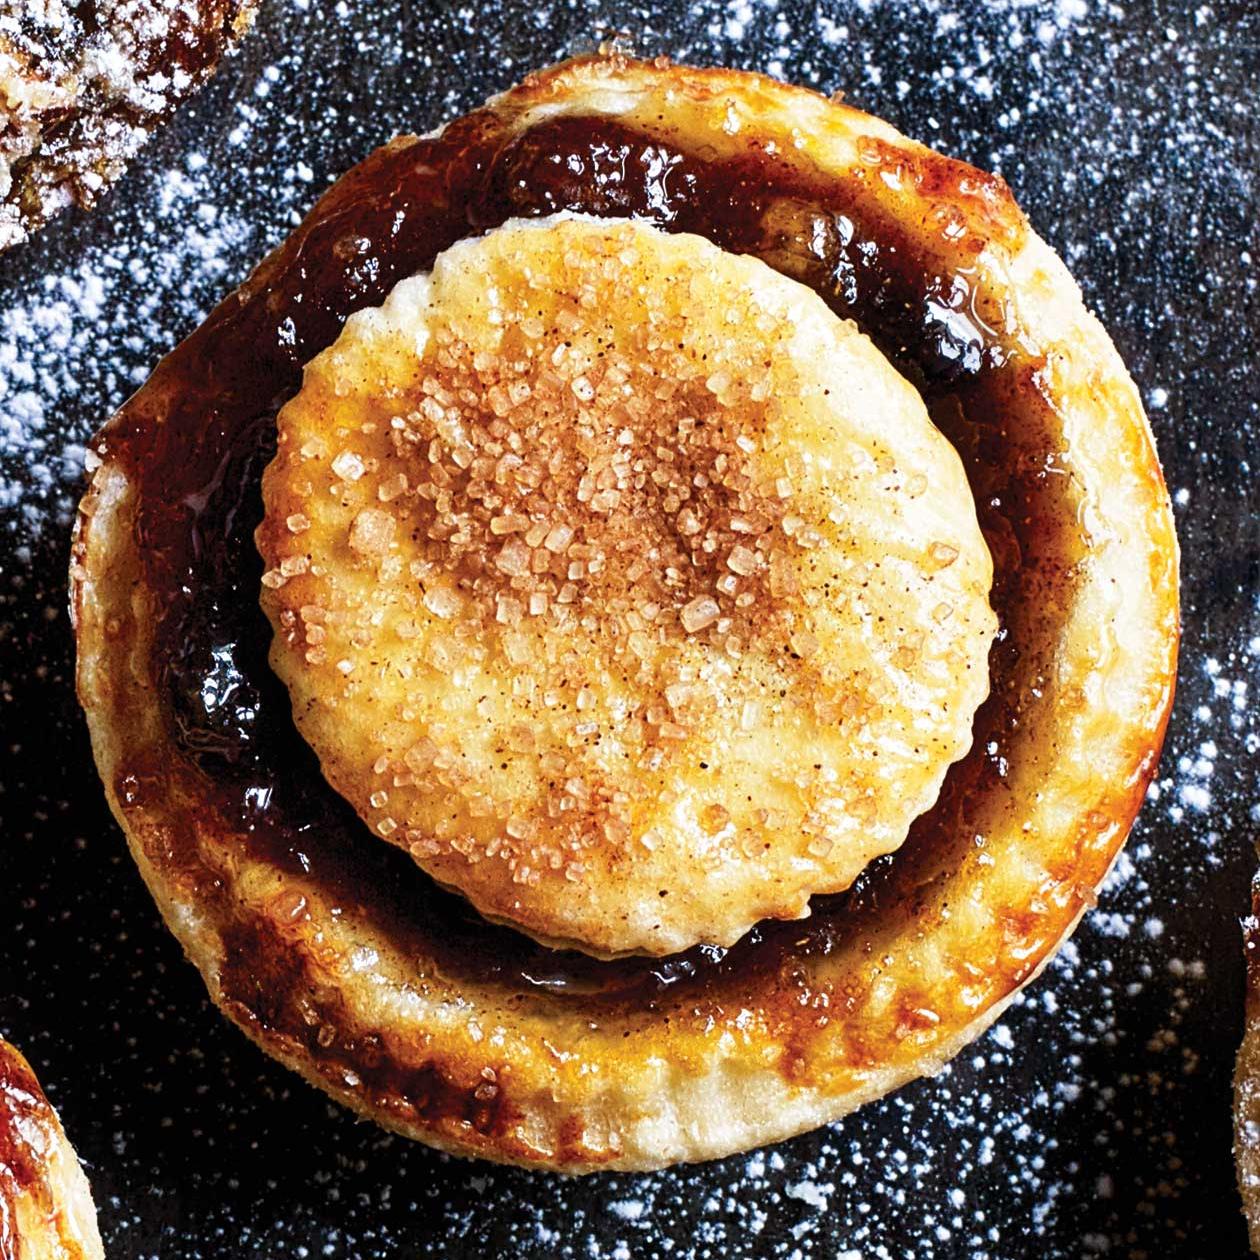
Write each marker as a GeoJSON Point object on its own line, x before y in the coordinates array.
{"type": "Point", "coordinates": [82, 86]}
{"type": "Point", "coordinates": [46, 1209]}
{"type": "Point", "coordinates": [623, 584]}
{"type": "Point", "coordinates": [504, 644]}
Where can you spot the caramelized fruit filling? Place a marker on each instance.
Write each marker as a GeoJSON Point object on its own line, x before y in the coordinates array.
{"type": "Point", "coordinates": [916, 293]}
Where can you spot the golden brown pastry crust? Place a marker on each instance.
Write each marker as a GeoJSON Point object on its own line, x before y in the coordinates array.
{"type": "Point", "coordinates": [46, 1210]}
{"type": "Point", "coordinates": [659, 752]}
{"type": "Point", "coordinates": [585, 1068]}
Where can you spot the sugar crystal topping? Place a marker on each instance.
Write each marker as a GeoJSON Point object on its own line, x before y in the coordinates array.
{"type": "Point", "coordinates": [583, 548]}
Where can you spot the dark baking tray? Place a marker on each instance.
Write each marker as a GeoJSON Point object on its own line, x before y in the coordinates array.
{"type": "Point", "coordinates": [1094, 1120]}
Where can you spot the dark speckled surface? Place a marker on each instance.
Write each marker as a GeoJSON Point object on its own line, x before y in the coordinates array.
{"type": "Point", "coordinates": [1094, 1119]}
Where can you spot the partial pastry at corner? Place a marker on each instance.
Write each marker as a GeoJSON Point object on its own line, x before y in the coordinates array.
{"type": "Point", "coordinates": [46, 1209]}
{"type": "Point", "coordinates": [667, 515]}
{"type": "Point", "coordinates": [1247, 1079]}
{"type": "Point", "coordinates": [82, 86]}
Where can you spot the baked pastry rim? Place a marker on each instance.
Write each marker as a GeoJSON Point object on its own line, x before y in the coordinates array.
{"type": "Point", "coordinates": [704, 1100]}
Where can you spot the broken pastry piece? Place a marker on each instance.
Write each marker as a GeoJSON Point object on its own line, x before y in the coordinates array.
{"type": "Point", "coordinates": [82, 86]}
{"type": "Point", "coordinates": [46, 1209]}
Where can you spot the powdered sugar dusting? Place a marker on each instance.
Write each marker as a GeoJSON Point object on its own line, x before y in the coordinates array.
{"type": "Point", "coordinates": [55, 384]}
{"type": "Point", "coordinates": [1092, 1120]}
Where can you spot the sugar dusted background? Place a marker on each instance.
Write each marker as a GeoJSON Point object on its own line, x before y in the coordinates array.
{"type": "Point", "coordinates": [1093, 1120]}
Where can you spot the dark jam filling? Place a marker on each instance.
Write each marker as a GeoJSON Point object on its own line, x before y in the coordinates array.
{"type": "Point", "coordinates": [220, 392]}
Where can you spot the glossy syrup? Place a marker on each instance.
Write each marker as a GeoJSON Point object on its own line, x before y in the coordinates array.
{"type": "Point", "coordinates": [198, 438]}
